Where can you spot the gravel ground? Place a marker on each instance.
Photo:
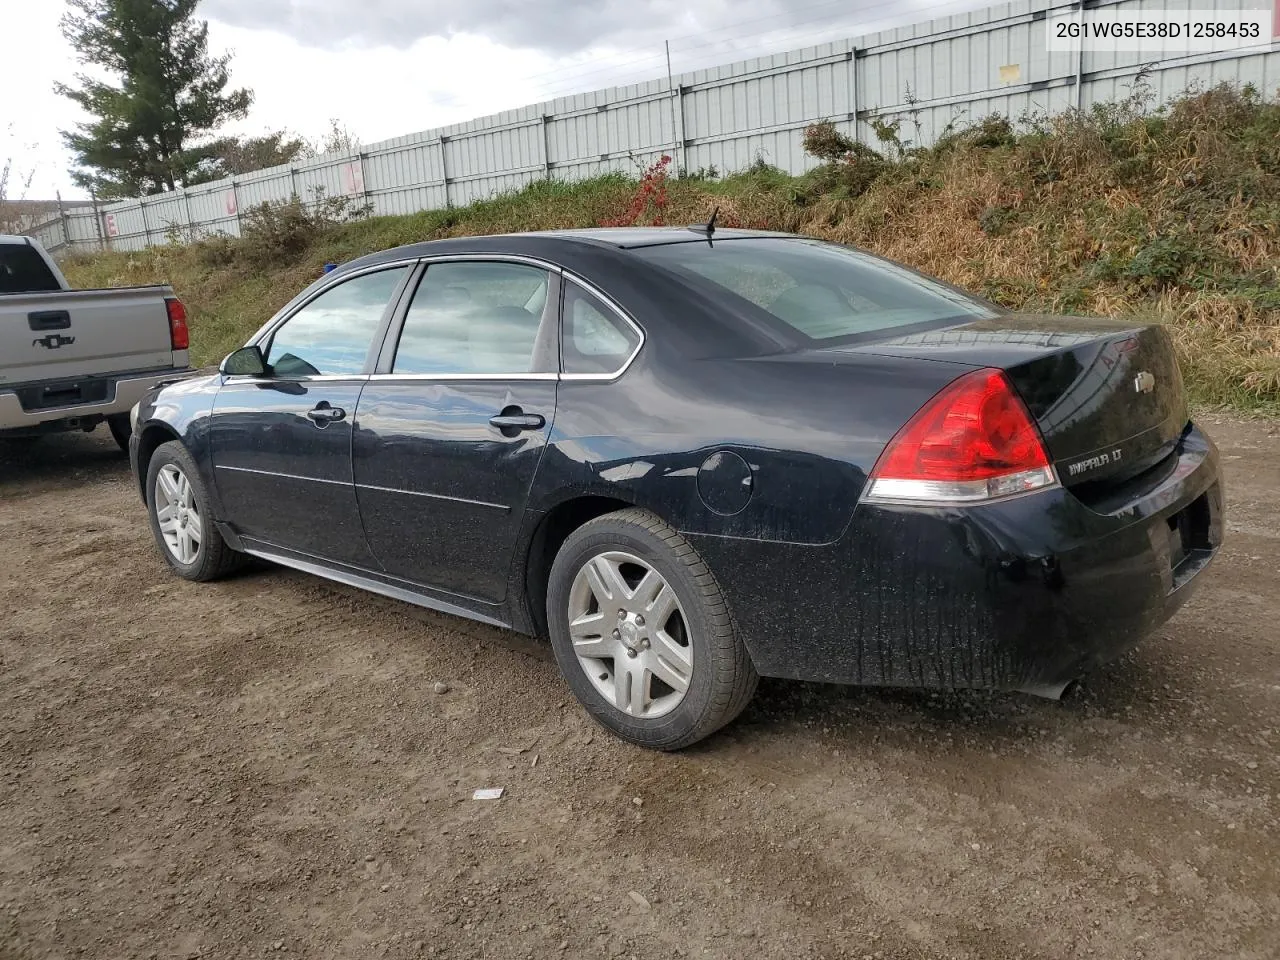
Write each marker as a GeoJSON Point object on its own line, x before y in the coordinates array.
{"type": "Point", "coordinates": [265, 767]}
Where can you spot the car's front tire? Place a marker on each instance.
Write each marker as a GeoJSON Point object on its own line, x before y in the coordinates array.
{"type": "Point", "coordinates": [178, 507]}
{"type": "Point", "coordinates": [642, 633]}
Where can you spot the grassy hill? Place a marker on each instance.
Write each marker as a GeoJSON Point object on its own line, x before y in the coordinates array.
{"type": "Point", "coordinates": [1170, 214]}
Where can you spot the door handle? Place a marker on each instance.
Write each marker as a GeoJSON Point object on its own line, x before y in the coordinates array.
{"type": "Point", "coordinates": [518, 421]}
{"type": "Point", "coordinates": [49, 320]}
{"type": "Point", "coordinates": [513, 419]}
{"type": "Point", "coordinates": [324, 414]}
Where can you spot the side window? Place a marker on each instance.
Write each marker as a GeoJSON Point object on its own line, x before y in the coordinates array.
{"type": "Point", "coordinates": [331, 335]}
{"type": "Point", "coordinates": [23, 270]}
{"type": "Point", "coordinates": [480, 317]}
{"type": "Point", "coordinates": [594, 339]}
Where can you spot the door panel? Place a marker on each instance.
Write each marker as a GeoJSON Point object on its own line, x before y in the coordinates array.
{"type": "Point", "coordinates": [281, 442]}
{"type": "Point", "coordinates": [441, 485]}
{"type": "Point", "coordinates": [441, 491]}
{"type": "Point", "coordinates": [284, 478]}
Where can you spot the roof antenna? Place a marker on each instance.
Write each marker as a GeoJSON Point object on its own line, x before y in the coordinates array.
{"type": "Point", "coordinates": [709, 228]}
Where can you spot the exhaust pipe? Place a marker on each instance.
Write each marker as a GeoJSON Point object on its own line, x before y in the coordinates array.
{"type": "Point", "coordinates": [1050, 691]}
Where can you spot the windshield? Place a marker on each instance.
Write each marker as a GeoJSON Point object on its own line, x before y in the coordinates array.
{"type": "Point", "coordinates": [823, 291]}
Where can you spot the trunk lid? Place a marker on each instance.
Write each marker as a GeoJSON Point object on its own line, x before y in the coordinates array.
{"type": "Point", "coordinates": [1106, 394]}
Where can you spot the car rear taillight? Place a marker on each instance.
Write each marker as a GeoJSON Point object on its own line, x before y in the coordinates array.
{"type": "Point", "coordinates": [179, 337]}
{"type": "Point", "coordinates": [973, 441]}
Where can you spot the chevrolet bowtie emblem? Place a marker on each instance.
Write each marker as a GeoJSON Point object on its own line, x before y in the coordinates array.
{"type": "Point", "coordinates": [53, 341]}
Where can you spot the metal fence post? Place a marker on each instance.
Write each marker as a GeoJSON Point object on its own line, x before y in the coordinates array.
{"type": "Point", "coordinates": [97, 221]}
{"type": "Point", "coordinates": [62, 219]}
{"type": "Point", "coordinates": [853, 94]}
{"type": "Point", "coordinates": [444, 174]}
{"type": "Point", "coordinates": [546, 147]}
{"type": "Point", "coordinates": [364, 187]}
{"type": "Point", "coordinates": [146, 228]}
{"type": "Point", "coordinates": [1079, 91]}
{"type": "Point", "coordinates": [684, 136]}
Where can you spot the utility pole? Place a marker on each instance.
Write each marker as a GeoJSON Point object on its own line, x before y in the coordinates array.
{"type": "Point", "coordinates": [677, 133]}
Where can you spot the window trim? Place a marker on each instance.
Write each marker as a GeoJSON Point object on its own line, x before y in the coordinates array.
{"type": "Point", "coordinates": [618, 312]}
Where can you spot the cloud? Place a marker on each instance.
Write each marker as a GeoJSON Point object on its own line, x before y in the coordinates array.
{"type": "Point", "coordinates": [556, 27]}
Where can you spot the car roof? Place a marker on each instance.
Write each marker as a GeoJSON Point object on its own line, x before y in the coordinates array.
{"type": "Point", "coordinates": [630, 237]}
{"type": "Point", "coordinates": [550, 243]}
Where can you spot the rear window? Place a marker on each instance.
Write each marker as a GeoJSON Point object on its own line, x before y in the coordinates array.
{"type": "Point", "coordinates": [22, 270]}
{"type": "Point", "coordinates": [821, 290]}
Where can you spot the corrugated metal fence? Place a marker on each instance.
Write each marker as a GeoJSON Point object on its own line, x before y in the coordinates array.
{"type": "Point", "coordinates": [939, 72]}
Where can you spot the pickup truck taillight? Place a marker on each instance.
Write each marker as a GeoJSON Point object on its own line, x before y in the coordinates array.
{"type": "Point", "coordinates": [178, 334]}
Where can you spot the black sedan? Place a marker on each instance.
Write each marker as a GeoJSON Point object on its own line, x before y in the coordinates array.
{"type": "Point", "coordinates": [694, 457]}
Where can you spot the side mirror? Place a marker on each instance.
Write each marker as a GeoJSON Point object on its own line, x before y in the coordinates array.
{"type": "Point", "coordinates": [247, 361]}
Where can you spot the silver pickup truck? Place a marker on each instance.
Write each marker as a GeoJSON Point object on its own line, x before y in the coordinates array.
{"type": "Point", "coordinates": [72, 359]}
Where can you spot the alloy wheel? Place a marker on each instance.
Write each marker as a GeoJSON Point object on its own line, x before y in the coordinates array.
{"type": "Point", "coordinates": [178, 515]}
{"type": "Point", "coordinates": [630, 635]}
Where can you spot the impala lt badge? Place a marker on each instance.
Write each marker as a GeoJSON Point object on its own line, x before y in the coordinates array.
{"type": "Point", "coordinates": [1144, 382]}
{"type": "Point", "coordinates": [53, 341]}
{"type": "Point", "coordinates": [1099, 460]}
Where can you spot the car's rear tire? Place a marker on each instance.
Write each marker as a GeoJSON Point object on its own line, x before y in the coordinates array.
{"type": "Point", "coordinates": [181, 521]}
{"type": "Point", "coordinates": [681, 672]}
{"type": "Point", "coordinates": [118, 424]}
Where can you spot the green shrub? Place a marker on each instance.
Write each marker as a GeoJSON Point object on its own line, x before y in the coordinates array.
{"type": "Point", "coordinates": [282, 231]}
{"type": "Point", "coordinates": [218, 250]}
{"type": "Point", "coordinates": [1165, 260]}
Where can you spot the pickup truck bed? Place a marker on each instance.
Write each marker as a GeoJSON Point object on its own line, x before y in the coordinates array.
{"type": "Point", "coordinates": [70, 359]}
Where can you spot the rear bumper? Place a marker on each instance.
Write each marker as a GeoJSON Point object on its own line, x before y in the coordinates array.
{"type": "Point", "coordinates": [110, 394]}
{"type": "Point", "coordinates": [1026, 593]}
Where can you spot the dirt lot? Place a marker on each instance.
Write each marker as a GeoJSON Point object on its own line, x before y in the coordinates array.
{"type": "Point", "coordinates": [261, 767]}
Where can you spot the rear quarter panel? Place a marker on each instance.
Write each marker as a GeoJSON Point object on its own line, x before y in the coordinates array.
{"type": "Point", "coordinates": [808, 430]}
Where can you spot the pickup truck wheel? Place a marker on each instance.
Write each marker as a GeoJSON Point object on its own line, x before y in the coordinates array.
{"type": "Point", "coordinates": [178, 507]}
{"type": "Point", "coordinates": [118, 423]}
{"type": "Point", "coordinates": [642, 633]}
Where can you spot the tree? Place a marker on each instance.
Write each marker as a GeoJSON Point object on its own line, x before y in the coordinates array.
{"type": "Point", "coordinates": [230, 156]}
{"type": "Point", "coordinates": [163, 97]}
{"type": "Point", "coordinates": [15, 215]}
{"type": "Point", "coordinates": [338, 140]}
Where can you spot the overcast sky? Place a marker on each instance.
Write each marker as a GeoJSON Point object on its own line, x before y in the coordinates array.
{"type": "Point", "coordinates": [384, 68]}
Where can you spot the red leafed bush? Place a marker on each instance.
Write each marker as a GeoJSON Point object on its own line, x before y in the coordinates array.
{"type": "Point", "coordinates": [650, 197]}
